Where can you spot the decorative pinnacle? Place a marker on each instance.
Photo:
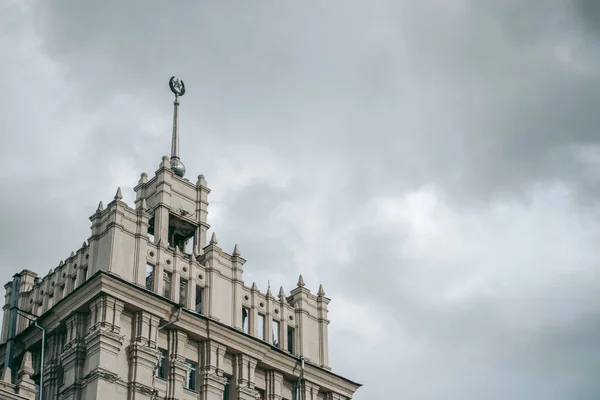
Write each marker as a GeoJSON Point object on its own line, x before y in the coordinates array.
{"type": "Point", "coordinates": [213, 239]}
{"type": "Point", "coordinates": [178, 88]}
{"type": "Point", "coordinates": [118, 195]}
{"type": "Point", "coordinates": [144, 205]}
{"type": "Point", "coordinates": [236, 251]}
{"type": "Point", "coordinates": [72, 254]}
{"type": "Point", "coordinates": [100, 207]}
{"type": "Point", "coordinates": [269, 294]}
{"type": "Point", "coordinates": [84, 244]}
{"type": "Point", "coordinates": [281, 293]}
{"type": "Point", "coordinates": [61, 263]}
{"type": "Point", "coordinates": [300, 281]}
{"type": "Point", "coordinates": [254, 286]}
{"type": "Point", "coordinates": [321, 291]}
{"type": "Point", "coordinates": [143, 178]}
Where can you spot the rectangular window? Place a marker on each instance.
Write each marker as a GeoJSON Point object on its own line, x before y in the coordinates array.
{"type": "Point", "coordinates": [183, 292]}
{"type": "Point", "coordinates": [85, 274]}
{"type": "Point", "coordinates": [290, 339]}
{"type": "Point", "coordinates": [63, 290]}
{"type": "Point", "coordinates": [149, 276]}
{"type": "Point", "coordinates": [60, 375]}
{"type": "Point", "coordinates": [190, 380]}
{"type": "Point", "coordinates": [167, 285]}
{"type": "Point", "coordinates": [245, 325]}
{"type": "Point", "coordinates": [199, 299]}
{"type": "Point", "coordinates": [261, 394]}
{"type": "Point", "coordinates": [276, 333]}
{"type": "Point", "coordinates": [161, 370]}
{"type": "Point", "coordinates": [261, 327]}
{"type": "Point", "coordinates": [226, 388]}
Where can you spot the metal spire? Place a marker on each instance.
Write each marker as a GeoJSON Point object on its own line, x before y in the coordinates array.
{"type": "Point", "coordinates": [178, 88]}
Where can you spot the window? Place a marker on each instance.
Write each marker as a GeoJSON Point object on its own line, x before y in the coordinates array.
{"type": "Point", "coordinates": [245, 320]}
{"type": "Point", "coordinates": [261, 394]}
{"type": "Point", "coordinates": [183, 292]}
{"type": "Point", "coordinates": [276, 333]}
{"type": "Point", "coordinates": [199, 299]}
{"type": "Point", "coordinates": [149, 276]}
{"type": "Point", "coordinates": [161, 368]}
{"type": "Point", "coordinates": [261, 327]}
{"type": "Point", "coordinates": [85, 274]}
{"type": "Point", "coordinates": [190, 379]}
{"type": "Point", "coordinates": [63, 290]}
{"type": "Point", "coordinates": [290, 339]}
{"type": "Point", "coordinates": [167, 285]}
{"type": "Point", "coordinates": [226, 388]}
{"type": "Point", "coordinates": [60, 375]}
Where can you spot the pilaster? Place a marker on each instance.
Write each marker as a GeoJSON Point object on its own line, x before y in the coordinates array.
{"type": "Point", "coordinates": [243, 370]}
{"type": "Point", "coordinates": [73, 356]}
{"type": "Point", "coordinates": [309, 391]}
{"type": "Point", "coordinates": [211, 381]}
{"type": "Point", "coordinates": [274, 385]}
{"type": "Point", "coordinates": [177, 368]}
{"type": "Point", "coordinates": [142, 355]}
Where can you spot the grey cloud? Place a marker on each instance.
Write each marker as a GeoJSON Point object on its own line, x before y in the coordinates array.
{"type": "Point", "coordinates": [484, 101]}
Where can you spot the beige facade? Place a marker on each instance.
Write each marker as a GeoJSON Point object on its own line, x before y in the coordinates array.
{"type": "Point", "coordinates": [146, 308]}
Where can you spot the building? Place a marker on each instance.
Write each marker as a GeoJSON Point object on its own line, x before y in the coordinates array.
{"type": "Point", "coordinates": [147, 309]}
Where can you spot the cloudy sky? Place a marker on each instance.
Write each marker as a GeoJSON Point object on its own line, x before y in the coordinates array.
{"type": "Point", "coordinates": [435, 164]}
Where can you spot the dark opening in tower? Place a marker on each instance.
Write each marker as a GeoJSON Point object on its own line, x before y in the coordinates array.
{"type": "Point", "coordinates": [181, 233]}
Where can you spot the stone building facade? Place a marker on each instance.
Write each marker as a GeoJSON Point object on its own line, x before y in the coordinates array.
{"type": "Point", "coordinates": [150, 308]}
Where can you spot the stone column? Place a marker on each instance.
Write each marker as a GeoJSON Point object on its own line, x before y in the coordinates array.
{"type": "Point", "coordinates": [52, 366]}
{"type": "Point", "coordinates": [274, 384]}
{"type": "Point", "coordinates": [143, 356]}
{"type": "Point", "coordinates": [243, 372]}
{"type": "Point", "coordinates": [177, 367]}
{"type": "Point", "coordinates": [212, 381]}
{"type": "Point", "coordinates": [309, 391]}
{"type": "Point", "coordinates": [103, 344]}
{"type": "Point", "coordinates": [73, 356]}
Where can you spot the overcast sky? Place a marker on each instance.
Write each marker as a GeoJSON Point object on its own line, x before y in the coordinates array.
{"type": "Point", "coordinates": [434, 164]}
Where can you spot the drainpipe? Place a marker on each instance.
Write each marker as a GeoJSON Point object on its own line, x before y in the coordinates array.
{"type": "Point", "coordinates": [42, 364]}
{"type": "Point", "coordinates": [300, 379]}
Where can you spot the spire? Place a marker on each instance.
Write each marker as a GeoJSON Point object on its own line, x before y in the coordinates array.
{"type": "Point", "coordinates": [300, 281]}
{"type": "Point", "coordinates": [213, 239]}
{"type": "Point", "coordinates": [236, 251]}
{"type": "Point", "coordinates": [119, 194]}
{"type": "Point", "coordinates": [321, 291]}
{"type": "Point", "coordinates": [178, 88]}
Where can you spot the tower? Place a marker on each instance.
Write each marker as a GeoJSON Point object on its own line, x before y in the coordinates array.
{"type": "Point", "coordinates": [147, 309]}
